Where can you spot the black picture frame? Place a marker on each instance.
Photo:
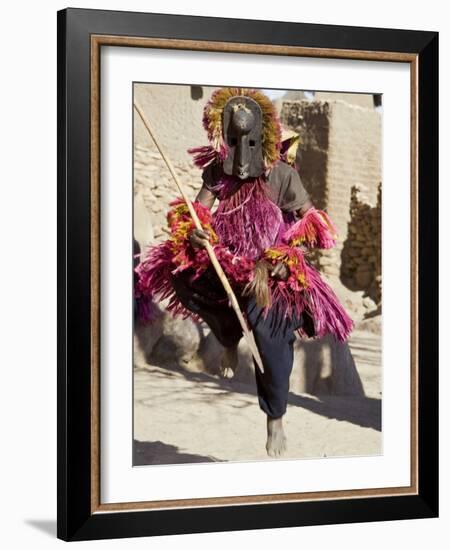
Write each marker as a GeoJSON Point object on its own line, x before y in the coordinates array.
{"type": "Point", "coordinates": [77, 518]}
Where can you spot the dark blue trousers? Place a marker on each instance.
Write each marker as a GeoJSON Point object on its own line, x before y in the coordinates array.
{"type": "Point", "coordinates": [274, 334]}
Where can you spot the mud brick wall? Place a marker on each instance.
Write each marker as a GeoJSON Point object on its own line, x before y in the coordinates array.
{"type": "Point", "coordinates": [363, 100]}
{"type": "Point", "coordinates": [340, 149]}
{"type": "Point", "coordinates": [175, 117]}
{"type": "Point", "coordinates": [312, 121]}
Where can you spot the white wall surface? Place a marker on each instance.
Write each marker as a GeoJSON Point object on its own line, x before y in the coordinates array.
{"type": "Point", "coordinates": [28, 274]}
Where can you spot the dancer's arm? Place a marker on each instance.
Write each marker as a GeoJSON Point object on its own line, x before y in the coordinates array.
{"type": "Point", "coordinates": [205, 197]}
{"type": "Point", "coordinates": [198, 238]}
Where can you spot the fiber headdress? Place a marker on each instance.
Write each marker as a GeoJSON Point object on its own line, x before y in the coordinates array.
{"type": "Point", "coordinates": [213, 124]}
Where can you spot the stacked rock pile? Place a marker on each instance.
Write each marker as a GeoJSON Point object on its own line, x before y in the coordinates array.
{"type": "Point", "coordinates": [361, 254]}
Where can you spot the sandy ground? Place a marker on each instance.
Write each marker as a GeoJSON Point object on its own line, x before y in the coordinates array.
{"type": "Point", "coordinates": [182, 417]}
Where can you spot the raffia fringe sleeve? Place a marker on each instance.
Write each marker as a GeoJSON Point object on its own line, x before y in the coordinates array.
{"type": "Point", "coordinates": [313, 230]}
{"type": "Point", "coordinates": [164, 260]}
{"type": "Point", "coordinates": [306, 290]}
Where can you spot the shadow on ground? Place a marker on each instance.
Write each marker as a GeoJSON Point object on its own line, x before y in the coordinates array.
{"type": "Point", "coordinates": [47, 526]}
{"type": "Point", "coordinates": [362, 411]}
{"type": "Point", "coordinates": [343, 409]}
{"type": "Point", "coordinates": [157, 452]}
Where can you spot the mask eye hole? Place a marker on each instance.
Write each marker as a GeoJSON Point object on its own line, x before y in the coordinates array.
{"type": "Point", "coordinates": [233, 141]}
{"type": "Point", "coordinates": [251, 142]}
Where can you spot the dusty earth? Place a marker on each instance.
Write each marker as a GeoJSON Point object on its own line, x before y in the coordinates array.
{"type": "Point", "coordinates": [182, 417]}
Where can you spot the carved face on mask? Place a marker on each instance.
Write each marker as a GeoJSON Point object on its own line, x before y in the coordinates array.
{"type": "Point", "coordinates": [242, 126]}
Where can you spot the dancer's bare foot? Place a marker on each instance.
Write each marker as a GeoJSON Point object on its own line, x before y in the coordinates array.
{"type": "Point", "coordinates": [276, 440]}
{"type": "Point", "coordinates": [229, 362]}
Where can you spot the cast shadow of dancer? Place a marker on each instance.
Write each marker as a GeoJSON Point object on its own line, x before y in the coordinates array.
{"type": "Point", "coordinates": [329, 406]}
{"type": "Point", "coordinates": [156, 452]}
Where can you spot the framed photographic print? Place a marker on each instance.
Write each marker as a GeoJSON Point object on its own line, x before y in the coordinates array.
{"type": "Point", "coordinates": [247, 271]}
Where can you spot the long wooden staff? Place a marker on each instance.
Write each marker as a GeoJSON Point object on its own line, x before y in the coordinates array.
{"type": "Point", "coordinates": [248, 334]}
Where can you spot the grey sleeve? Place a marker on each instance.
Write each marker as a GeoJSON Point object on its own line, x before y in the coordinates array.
{"type": "Point", "coordinates": [294, 193]}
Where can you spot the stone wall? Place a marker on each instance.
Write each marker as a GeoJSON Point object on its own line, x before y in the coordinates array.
{"type": "Point", "coordinates": [155, 188]}
{"type": "Point", "coordinates": [176, 115]}
{"type": "Point", "coordinates": [361, 255]}
{"type": "Point", "coordinates": [340, 149]}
